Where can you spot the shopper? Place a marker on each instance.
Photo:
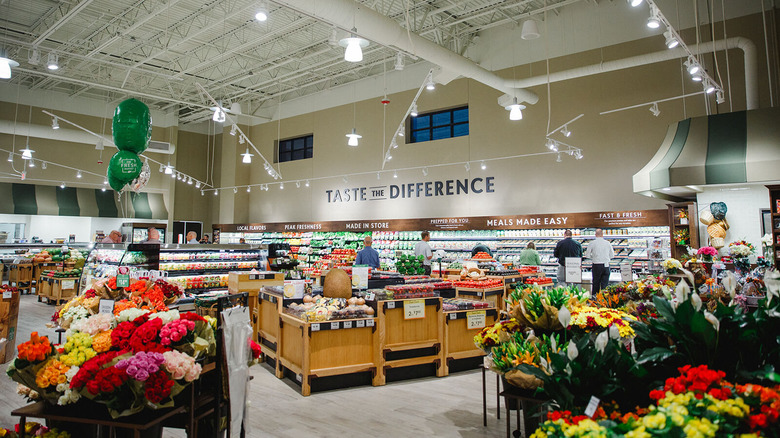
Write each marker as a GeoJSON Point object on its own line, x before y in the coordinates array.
{"type": "Point", "coordinates": [241, 240]}
{"type": "Point", "coordinates": [567, 247]}
{"type": "Point", "coordinates": [153, 236]}
{"type": "Point", "coordinates": [367, 255]}
{"type": "Point", "coordinates": [481, 247]}
{"type": "Point", "coordinates": [529, 256]}
{"type": "Point", "coordinates": [205, 239]}
{"type": "Point", "coordinates": [600, 252]}
{"type": "Point", "coordinates": [422, 248]}
{"type": "Point", "coordinates": [192, 238]}
{"type": "Point", "coordinates": [113, 237]}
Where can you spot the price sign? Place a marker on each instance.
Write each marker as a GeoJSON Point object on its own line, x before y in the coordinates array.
{"type": "Point", "coordinates": [68, 284]}
{"type": "Point", "coordinates": [391, 304]}
{"type": "Point", "coordinates": [573, 271]}
{"type": "Point", "coordinates": [8, 295]}
{"type": "Point", "coordinates": [315, 327]}
{"type": "Point", "coordinates": [360, 323]}
{"type": "Point", "coordinates": [414, 309]}
{"type": "Point", "coordinates": [593, 404]}
{"type": "Point", "coordinates": [453, 316]}
{"type": "Point", "coordinates": [106, 306]}
{"type": "Point", "coordinates": [475, 319]}
{"type": "Point", "coordinates": [626, 274]}
{"type": "Point", "coordinates": [370, 296]}
{"type": "Point", "coordinates": [369, 323]}
{"type": "Point", "coordinates": [122, 280]}
{"type": "Point", "coordinates": [360, 277]}
{"type": "Point", "coordinates": [347, 324]}
{"type": "Point", "coordinates": [334, 326]}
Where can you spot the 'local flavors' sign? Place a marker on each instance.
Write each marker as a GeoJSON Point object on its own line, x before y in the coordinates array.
{"type": "Point", "coordinates": [426, 189]}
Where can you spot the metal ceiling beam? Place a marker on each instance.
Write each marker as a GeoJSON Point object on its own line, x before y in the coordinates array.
{"type": "Point", "coordinates": [66, 12]}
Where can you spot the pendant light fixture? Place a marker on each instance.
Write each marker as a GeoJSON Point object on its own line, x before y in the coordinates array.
{"type": "Point", "coordinates": [78, 174]}
{"type": "Point", "coordinates": [27, 153]}
{"type": "Point", "coordinates": [671, 41]}
{"type": "Point", "coordinates": [55, 123]}
{"type": "Point", "coordinates": [307, 183]}
{"type": "Point", "coordinates": [247, 157]}
{"type": "Point", "coordinates": [515, 110]}
{"type": "Point", "coordinates": [6, 64]}
{"type": "Point", "coordinates": [53, 62]}
{"type": "Point", "coordinates": [399, 61]}
{"type": "Point", "coordinates": [354, 46]}
{"type": "Point", "coordinates": [430, 86]}
{"type": "Point", "coordinates": [262, 13]}
{"type": "Point", "coordinates": [634, 3]}
{"type": "Point", "coordinates": [353, 136]}
{"type": "Point", "coordinates": [530, 30]}
{"type": "Point", "coordinates": [219, 113]}
{"type": "Point", "coordinates": [10, 157]}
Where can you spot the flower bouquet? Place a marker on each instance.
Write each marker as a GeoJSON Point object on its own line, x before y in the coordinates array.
{"type": "Point", "coordinates": [596, 319]}
{"type": "Point", "coordinates": [528, 350]}
{"type": "Point", "coordinates": [681, 236]}
{"type": "Point", "coordinates": [495, 334]}
{"type": "Point", "coordinates": [539, 308]}
{"type": "Point", "coordinates": [707, 253]}
{"type": "Point", "coordinates": [672, 266]}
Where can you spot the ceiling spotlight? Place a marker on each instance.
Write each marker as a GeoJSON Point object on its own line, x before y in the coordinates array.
{"type": "Point", "coordinates": [99, 144]}
{"type": "Point", "coordinates": [578, 154]}
{"type": "Point", "coordinates": [43, 165]}
{"type": "Point", "coordinates": [247, 157]}
{"type": "Point", "coordinates": [353, 138]}
{"type": "Point", "coordinates": [389, 157]}
{"type": "Point", "coordinates": [5, 65]}
{"type": "Point", "coordinates": [235, 190]}
{"type": "Point", "coordinates": [691, 65]}
{"type": "Point", "coordinates": [32, 163]}
{"type": "Point", "coordinates": [27, 153]}
{"type": "Point", "coordinates": [430, 86]}
{"type": "Point", "coordinates": [354, 47]}
{"type": "Point", "coordinates": [216, 192]}
{"type": "Point", "coordinates": [10, 157]}
{"type": "Point", "coordinates": [395, 174]}
{"type": "Point", "coordinates": [697, 77]}
{"type": "Point", "coordinates": [393, 144]}
{"type": "Point", "coordinates": [558, 160]}
{"type": "Point", "coordinates": [483, 166]}
{"type": "Point", "coordinates": [105, 181]}
{"type": "Point", "coordinates": [233, 130]}
{"type": "Point", "coordinates": [654, 109]}
{"type": "Point", "coordinates": [634, 3]}
{"type": "Point", "coordinates": [62, 186]}
{"type": "Point", "coordinates": [565, 131]}
{"type": "Point", "coordinates": [248, 189]}
{"type": "Point", "coordinates": [241, 139]}
{"type": "Point", "coordinates": [297, 184]}
{"type": "Point", "coordinates": [720, 97]}
{"type": "Point", "coordinates": [414, 110]}
{"type": "Point", "coordinates": [52, 63]}
{"type": "Point", "coordinates": [35, 57]}
{"type": "Point", "coordinates": [399, 61]}
{"type": "Point", "coordinates": [425, 171]}
{"type": "Point", "coordinates": [654, 22]}
{"type": "Point", "coordinates": [162, 168]}
{"type": "Point", "coordinates": [202, 193]}
{"type": "Point", "coordinates": [262, 13]}
{"type": "Point", "coordinates": [467, 166]}
{"type": "Point", "coordinates": [402, 130]}
{"type": "Point", "coordinates": [515, 110]}
{"type": "Point", "coordinates": [102, 189]}
{"type": "Point", "coordinates": [197, 184]}
{"type": "Point", "coordinates": [189, 181]}
{"type": "Point", "coordinates": [530, 30]}
{"type": "Point", "coordinates": [219, 114]}
{"type": "Point", "coordinates": [307, 183]}
{"type": "Point", "coordinates": [178, 176]}
{"type": "Point", "coordinates": [55, 123]}
{"type": "Point", "coordinates": [173, 175]}
{"type": "Point", "coordinates": [281, 186]}
{"type": "Point", "coordinates": [551, 145]}
{"type": "Point", "coordinates": [378, 175]}
{"type": "Point", "coordinates": [169, 169]}
{"type": "Point", "coordinates": [671, 41]}
{"type": "Point", "coordinates": [709, 88]}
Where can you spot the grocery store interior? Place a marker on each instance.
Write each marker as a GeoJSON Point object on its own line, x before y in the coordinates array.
{"type": "Point", "coordinates": [365, 189]}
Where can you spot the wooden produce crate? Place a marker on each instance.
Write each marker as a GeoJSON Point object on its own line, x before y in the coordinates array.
{"type": "Point", "coordinates": [20, 276]}
{"type": "Point", "coordinates": [406, 325]}
{"type": "Point", "coordinates": [269, 309]}
{"type": "Point", "coordinates": [460, 328]}
{"type": "Point", "coordinates": [42, 287]}
{"type": "Point", "coordinates": [39, 267]}
{"type": "Point", "coordinates": [9, 315]}
{"type": "Point", "coordinates": [493, 295]}
{"type": "Point", "coordinates": [61, 290]}
{"type": "Point", "coordinates": [329, 348]}
{"type": "Point", "coordinates": [246, 282]}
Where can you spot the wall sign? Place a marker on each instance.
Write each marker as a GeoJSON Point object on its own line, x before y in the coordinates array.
{"type": "Point", "coordinates": [599, 219]}
{"type": "Point", "coordinates": [425, 189]}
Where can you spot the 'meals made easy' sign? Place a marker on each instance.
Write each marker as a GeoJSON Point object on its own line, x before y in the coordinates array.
{"type": "Point", "coordinates": [426, 189]}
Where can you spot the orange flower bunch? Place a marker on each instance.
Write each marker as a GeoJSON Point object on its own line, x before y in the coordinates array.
{"type": "Point", "coordinates": [123, 305]}
{"type": "Point", "coordinates": [111, 283]}
{"type": "Point", "coordinates": [36, 349]}
{"type": "Point", "coordinates": [607, 299]}
{"type": "Point", "coordinates": [52, 374]}
{"type": "Point", "coordinates": [137, 287]}
{"type": "Point", "coordinates": [101, 342]}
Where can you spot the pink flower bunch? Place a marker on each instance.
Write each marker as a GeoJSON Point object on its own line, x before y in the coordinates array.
{"type": "Point", "coordinates": [142, 365]}
{"type": "Point", "coordinates": [175, 331]}
{"type": "Point", "coordinates": [707, 250]}
{"type": "Point", "coordinates": [95, 324]}
{"type": "Point", "coordinates": [181, 366]}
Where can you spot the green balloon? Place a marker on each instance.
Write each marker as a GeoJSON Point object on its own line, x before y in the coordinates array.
{"type": "Point", "coordinates": [132, 126]}
{"type": "Point", "coordinates": [125, 166]}
{"type": "Point", "coordinates": [114, 182]}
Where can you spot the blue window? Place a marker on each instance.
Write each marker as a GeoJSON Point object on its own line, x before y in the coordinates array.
{"type": "Point", "coordinates": [298, 148]}
{"type": "Point", "coordinates": [438, 125]}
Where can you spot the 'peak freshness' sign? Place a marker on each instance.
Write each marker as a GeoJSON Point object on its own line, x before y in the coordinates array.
{"type": "Point", "coordinates": [427, 189]}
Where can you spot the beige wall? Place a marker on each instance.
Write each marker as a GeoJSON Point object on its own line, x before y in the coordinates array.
{"type": "Point", "coordinates": [615, 146]}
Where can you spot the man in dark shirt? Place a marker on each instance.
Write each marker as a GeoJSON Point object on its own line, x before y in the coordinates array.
{"type": "Point", "coordinates": [567, 247]}
{"type": "Point", "coordinates": [367, 255]}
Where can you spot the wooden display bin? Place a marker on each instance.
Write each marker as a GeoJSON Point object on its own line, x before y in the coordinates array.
{"type": "Point", "coordinates": [494, 295]}
{"type": "Point", "coordinates": [60, 290]}
{"type": "Point", "coordinates": [20, 276]}
{"type": "Point", "coordinates": [9, 315]}
{"type": "Point", "coordinates": [39, 267]}
{"type": "Point", "coordinates": [404, 327]}
{"type": "Point", "coordinates": [269, 308]}
{"type": "Point", "coordinates": [329, 348]}
{"type": "Point", "coordinates": [460, 328]}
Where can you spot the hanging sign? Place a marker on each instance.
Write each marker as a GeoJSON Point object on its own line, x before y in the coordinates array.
{"type": "Point", "coordinates": [573, 271]}
{"type": "Point", "coordinates": [106, 306]}
{"type": "Point", "coordinates": [626, 274]}
{"type": "Point", "coordinates": [475, 319]}
{"type": "Point", "coordinates": [414, 309]}
{"type": "Point", "coordinates": [360, 277]}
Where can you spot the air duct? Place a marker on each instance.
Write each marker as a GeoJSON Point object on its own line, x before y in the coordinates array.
{"type": "Point", "coordinates": [348, 14]}
{"type": "Point", "coordinates": [744, 44]}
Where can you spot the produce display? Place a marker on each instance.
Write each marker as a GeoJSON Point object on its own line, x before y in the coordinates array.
{"type": "Point", "coordinates": [437, 283]}
{"type": "Point", "coordinates": [524, 270]}
{"type": "Point", "coordinates": [482, 256]}
{"type": "Point", "coordinates": [538, 280]}
{"type": "Point", "coordinates": [58, 255]}
{"type": "Point", "coordinates": [503, 273]}
{"type": "Point", "coordinates": [410, 265]}
{"type": "Point", "coordinates": [317, 308]}
{"type": "Point", "coordinates": [134, 258]}
{"type": "Point", "coordinates": [200, 281]}
{"type": "Point", "coordinates": [68, 273]}
{"type": "Point", "coordinates": [208, 255]}
{"type": "Point", "coordinates": [480, 284]}
{"type": "Point", "coordinates": [453, 304]}
{"type": "Point", "coordinates": [200, 266]}
{"type": "Point", "coordinates": [419, 290]}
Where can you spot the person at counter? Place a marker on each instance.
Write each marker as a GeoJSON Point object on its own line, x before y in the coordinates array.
{"type": "Point", "coordinates": [422, 248]}
{"type": "Point", "coordinates": [153, 236]}
{"type": "Point", "coordinates": [205, 239]}
{"type": "Point", "coordinates": [192, 238]}
{"type": "Point", "coordinates": [529, 256]}
{"type": "Point", "coordinates": [367, 255]}
{"type": "Point", "coordinates": [600, 252]}
{"type": "Point", "coordinates": [113, 237]}
{"type": "Point", "coordinates": [567, 247]}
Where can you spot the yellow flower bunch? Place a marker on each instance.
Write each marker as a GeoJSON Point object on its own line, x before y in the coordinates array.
{"type": "Point", "coordinates": [101, 342]}
{"type": "Point", "coordinates": [589, 318]}
{"type": "Point", "coordinates": [78, 349]}
{"type": "Point", "coordinates": [51, 374]}
{"type": "Point", "coordinates": [700, 428]}
{"type": "Point", "coordinates": [585, 428]}
{"type": "Point", "coordinates": [495, 334]}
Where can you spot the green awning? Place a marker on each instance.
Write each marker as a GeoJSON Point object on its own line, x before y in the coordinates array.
{"type": "Point", "coordinates": [732, 148]}
{"type": "Point", "coordinates": [75, 201]}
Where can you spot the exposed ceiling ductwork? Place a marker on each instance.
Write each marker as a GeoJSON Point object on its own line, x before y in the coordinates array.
{"type": "Point", "coordinates": [348, 14]}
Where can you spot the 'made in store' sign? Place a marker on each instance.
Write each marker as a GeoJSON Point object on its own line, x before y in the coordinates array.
{"type": "Point", "coordinates": [423, 189]}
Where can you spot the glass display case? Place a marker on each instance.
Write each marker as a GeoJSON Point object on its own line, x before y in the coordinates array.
{"type": "Point", "coordinates": [196, 268]}
{"type": "Point", "coordinates": [137, 232]}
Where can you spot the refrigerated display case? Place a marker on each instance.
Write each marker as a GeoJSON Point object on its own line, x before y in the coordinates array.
{"type": "Point", "coordinates": [136, 232]}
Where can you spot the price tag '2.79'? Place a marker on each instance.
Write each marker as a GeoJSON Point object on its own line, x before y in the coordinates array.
{"type": "Point", "coordinates": [414, 309]}
{"type": "Point", "coordinates": [475, 319]}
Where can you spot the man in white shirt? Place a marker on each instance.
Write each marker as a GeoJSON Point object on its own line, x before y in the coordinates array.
{"type": "Point", "coordinates": [423, 249]}
{"type": "Point", "coordinates": [192, 238]}
{"type": "Point", "coordinates": [600, 252]}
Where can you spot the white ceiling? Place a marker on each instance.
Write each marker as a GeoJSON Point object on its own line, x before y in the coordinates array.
{"type": "Point", "coordinates": [158, 50]}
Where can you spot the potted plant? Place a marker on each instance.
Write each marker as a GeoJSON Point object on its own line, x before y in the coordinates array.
{"type": "Point", "coordinates": [707, 253]}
